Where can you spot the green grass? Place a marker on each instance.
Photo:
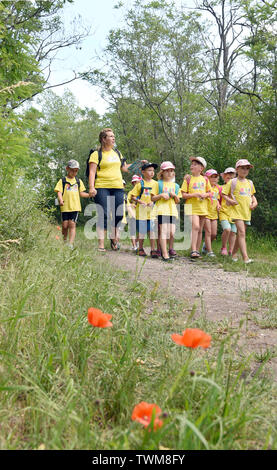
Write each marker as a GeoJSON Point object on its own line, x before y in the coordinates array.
{"type": "Point", "coordinates": [67, 385]}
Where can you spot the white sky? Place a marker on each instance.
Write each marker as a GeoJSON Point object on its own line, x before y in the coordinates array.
{"type": "Point", "coordinates": [101, 17]}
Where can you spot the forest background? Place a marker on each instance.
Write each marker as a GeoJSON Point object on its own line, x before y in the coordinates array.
{"type": "Point", "coordinates": [178, 82]}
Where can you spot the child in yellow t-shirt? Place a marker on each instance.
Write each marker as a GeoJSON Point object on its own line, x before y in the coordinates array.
{"type": "Point", "coordinates": [229, 229]}
{"type": "Point", "coordinates": [166, 194]}
{"type": "Point", "coordinates": [239, 192]}
{"type": "Point", "coordinates": [141, 195]}
{"type": "Point", "coordinates": [213, 206]}
{"type": "Point", "coordinates": [131, 209]}
{"type": "Point", "coordinates": [69, 190]}
{"type": "Point", "coordinates": [196, 190]}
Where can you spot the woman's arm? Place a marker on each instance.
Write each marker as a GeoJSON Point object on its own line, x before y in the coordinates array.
{"type": "Point", "coordinates": [91, 180]}
{"type": "Point", "coordinates": [126, 166]}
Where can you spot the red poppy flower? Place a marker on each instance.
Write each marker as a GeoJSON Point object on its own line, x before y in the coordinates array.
{"type": "Point", "coordinates": [144, 412]}
{"type": "Point", "coordinates": [192, 338]}
{"type": "Point", "coordinates": [58, 227]}
{"type": "Point", "coordinates": [99, 319]}
{"type": "Point", "coordinates": [57, 237]}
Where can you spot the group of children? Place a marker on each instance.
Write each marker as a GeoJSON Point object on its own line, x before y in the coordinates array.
{"type": "Point", "coordinates": [152, 207]}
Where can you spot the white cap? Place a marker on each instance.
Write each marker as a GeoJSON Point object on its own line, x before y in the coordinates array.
{"type": "Point", "coordinates": [73, 164]}
{"type": "Point", "coordinates": [230, 169]}
{"type": "Point", "coordinates": [200, 160]}
{"type": "Point", "coordinates": [167, 166]}
{"type": "Point", "coordinates": [211, 172]}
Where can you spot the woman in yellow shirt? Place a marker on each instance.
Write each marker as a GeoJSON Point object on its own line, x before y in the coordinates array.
{"type": "Point", "coordinates": [106, 186]}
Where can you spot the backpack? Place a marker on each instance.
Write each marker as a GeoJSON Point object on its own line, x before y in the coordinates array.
{"type": "Point", "coordinates": [233, 187]}
{"type": "Point", "coordinates": [64, 182]}
{"type": "Point", "coordinates": [122, 160]}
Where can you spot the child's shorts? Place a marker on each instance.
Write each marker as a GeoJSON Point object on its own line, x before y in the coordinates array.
{"type": "Point", "coordinates": [247, 222]}
{"type": "Point", "coordinates": [144, 226]}
{"type": "Point", "coordinates": [166, 219]}
{"type": "Point", "coordinates": [226, 225]}
{"type": "Point", "coordinates": [70, 216]}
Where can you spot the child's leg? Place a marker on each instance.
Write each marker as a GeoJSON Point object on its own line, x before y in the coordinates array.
{"type": "Point", "coordinates": [65, 229]}
{"type": "Point", "coordinates": [240, 242]}
{"type": "Point", "coordinates": [208, 234]}
{"type": "Point", "coordinates": [141, 235]}
{"type": "Point", "coordinates": [72, 231]}
{"type": "Point", "coordinates": [201, 225]}
{"type": "Point", "coordinates": [171, 236]}
{"type": "Point", "coordinates": [195, 227]}
{"type": "Point", "coordinates": [164, 233]}
{"type": "Point", "coordinates": [158, 240]}
{"type": "Point", "coordinates": [213, 229]}
{"type": "Point", "coordinates": [226, 230]}
{"type": "Point", "coordinates": [232, 240]}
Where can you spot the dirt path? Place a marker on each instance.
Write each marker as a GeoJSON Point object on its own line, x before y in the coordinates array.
{"type": "Point", "coordinates": [205, 285]}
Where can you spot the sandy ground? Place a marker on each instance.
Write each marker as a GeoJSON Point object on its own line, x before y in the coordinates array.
{"type": "Point", "coordinates": [219, 293]}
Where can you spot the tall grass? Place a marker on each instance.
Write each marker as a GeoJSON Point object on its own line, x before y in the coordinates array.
{"type": "Point", "coordinates": [67, 385]}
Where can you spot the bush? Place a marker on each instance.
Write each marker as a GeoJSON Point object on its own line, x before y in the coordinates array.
{"type": "Point", "coordinates": [21, 216]}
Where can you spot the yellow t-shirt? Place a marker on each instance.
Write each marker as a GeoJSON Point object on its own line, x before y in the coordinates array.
{"type": "Point", "coordinates": [163, 206]}
{"type": "Point", "coordinates": [224, 213]}
{"type": "Point", "coordinates": [109, 175]}
{"type": "Point", "coordinates": [143, 213]}
{"type": "Point", "coordinates": [212, 203]}
{"type": "Point", "coordinates": [71, 196]}
{"type": "Point", "coordinates": [197, 184]}
{"type": "Point", "coordinates": [242, 193]}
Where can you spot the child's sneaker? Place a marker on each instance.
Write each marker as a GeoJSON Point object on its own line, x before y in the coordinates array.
{"type": "Point", "coordinates": [204, 251]}
{"type": "Point", "coordinates": [172, 253]}
{"type": "Point", "coordinates": [211, 254]}
{"type": "Point", "coordinates": [248, 261]}
{"type": "Point", "coordinates": [224, 252]}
